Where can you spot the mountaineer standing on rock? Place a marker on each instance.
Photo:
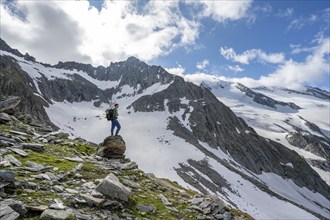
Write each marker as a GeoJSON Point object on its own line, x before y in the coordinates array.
{"type": "Point", "coordinates": [112, 115]}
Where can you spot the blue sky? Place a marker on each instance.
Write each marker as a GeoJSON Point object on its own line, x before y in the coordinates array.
{"type": "Point", "coordinates": [272, 43]}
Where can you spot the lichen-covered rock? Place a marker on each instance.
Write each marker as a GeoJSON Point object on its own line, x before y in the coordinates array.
{"type": "Point", "coordinates": [113, 147]}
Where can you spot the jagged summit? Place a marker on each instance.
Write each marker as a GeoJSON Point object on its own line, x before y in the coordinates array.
{"type": "Point", "coordinates": [133, 59]}
{"type": "Point", "coordinates": [5, 47]}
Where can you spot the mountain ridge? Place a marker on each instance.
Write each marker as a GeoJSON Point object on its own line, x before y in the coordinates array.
{"type": "Point", "coordinates": [192, 114]}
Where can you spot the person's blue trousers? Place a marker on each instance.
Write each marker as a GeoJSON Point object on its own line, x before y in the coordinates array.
{"type": "Point", "coordinates": [115, 123]}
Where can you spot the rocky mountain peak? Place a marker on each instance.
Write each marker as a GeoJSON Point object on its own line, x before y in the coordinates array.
{"type": "Point", "coordinates": [71, 65]}
{"type": "Point", "coordinates": [133, 59]}
{"type": "Point", "coordinates": [5, 47]}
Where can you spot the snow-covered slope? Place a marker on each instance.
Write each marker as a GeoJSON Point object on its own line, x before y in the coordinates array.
{"type": "Point", "coordinates": [157, 149]}
{"type": "Point", "coordinates": [276, 123]}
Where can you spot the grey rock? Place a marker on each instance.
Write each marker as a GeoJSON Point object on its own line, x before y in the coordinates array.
{"type": "Point", "coordinates": [20, 139]}
{"type": "Point", "coordinates": [205, 204]}
{"type": "Point", "coordinates": [10, 158]}
{"type": "Point", "coordinates": [16, 205]}
{"type": "Point", "coordinates": [2, 185]}
{"type": "Point", "coordinates": [196, 208]}
{"type": "Point", "coordinates": [131, 184]}
{"type": "Point", "coordinates": [18, 132]}
{"type": "Point", "coordinates": [71, 191]}
{"type": "Point", "coordinates": [207, 210]}
{"type": "Point", "coordinates": [51, 214]}
{"type": "Point", "coordinates": [196, 201]}
{"type": "Point", "coordinates": [227, 216]}
{"type": "Point", "coordinates": [7, 213]}
{"type": "Point", "coordinates": [4, 163]}
{"type": "Point", "coordinates": [38, 208]}
{"type": "Point", "coordinates": [81, 216]}
{"type": "Point", "coordinates": [74, 159]}
{"type": "Point", "coordinates": [37, 167]}
{"type": "Point", "coordinates": [34, 147]}
{"type": "Point", "coordinates": [52, 176]}
{"type": "Point", "coordinates": [58, 189]}
{"type": "Point", "coordinates": [5, 143]}
{"type": "Point", "coordinates": [113, 204]}
{"type": "Point", "coordinates": [4, 118]}
{"type": "Point", "coordinates": [58, 205]}
{"type": "Point", "coordinates": [50, 139]}
{"type": "Point", "coordinates": [31, 185]}
{"type": "Point", "coordinates": [19, 152]}
{"type": "Point", "coordinates": [115, 217]}
{"type": "Point", "coordinates": [129, 166]}
{"type": "Point", "coordinates": [91, 200]}
{"type": "Point", "coordinates": [111, 186]}
{"type": "Point", "coordinates": [7, 176]}
{"type": "Point", "coordinates": [89, 185]}
{"type": "Point", "coordinates": [218, 216]}
{"type": "Point", "coordinates": [78, 167]}
{"type": "Point", "coordinates": [10, 103]}
{"type": "Point", "coordinates": [41, 176]}
{"type": "Point", "coordinates": [97, 194]}
{"type": "Point", "coordinates": [113, 147]}
{"type": "Point", "coordinates": [147, 208]}
{"type": "Point", "coordinates": [164, 200]}
{"type": "Point", "coordinates": [173, 209]}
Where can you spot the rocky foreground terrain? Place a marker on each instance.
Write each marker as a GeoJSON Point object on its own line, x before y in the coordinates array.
{"type": "Point", "coordinates": [46, 175]}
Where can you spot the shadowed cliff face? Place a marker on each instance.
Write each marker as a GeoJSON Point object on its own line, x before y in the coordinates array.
{"type": "Point", "coordinates": [14, 81]}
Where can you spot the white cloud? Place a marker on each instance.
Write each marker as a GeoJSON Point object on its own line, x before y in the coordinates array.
{"type": "Point", "coordinates": [202, 65]}
{"type": "Point", "coordinates": [235, 69]}
{"type": "Point", "coordinates": [289, 74]}
{"type": "Point", "coordinates": [72, 30]}
{"type": "Point", "coordinates": [297, 49]}
{"type": "Point", "coordinates": [222, 11]}
{"type": "Point", "coordinates": [179, 70]}
{"type": "Point", "coordinates": [250, 55]}
{"type": "Point", "coordinates": [299, 23]}
{"type": "Point", "coordinates": [293, 74]}
{"type": "Point", "coordinates": [55, 31]}
{"type": "Point", "coordinates": [198, 78]}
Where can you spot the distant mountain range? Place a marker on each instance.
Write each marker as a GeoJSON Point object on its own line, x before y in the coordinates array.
{"type": "Point", "coordinates": [263, 150]}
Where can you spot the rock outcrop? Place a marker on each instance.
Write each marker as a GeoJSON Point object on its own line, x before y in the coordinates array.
{"type": "Point", "coordinates": [113, 147]}
{"type": "Point", "coordinates": [265, 100]}
{"type": "Point", "coordinates": [9, 103]}
{"type": "Point", "coordinates": [15, 82]}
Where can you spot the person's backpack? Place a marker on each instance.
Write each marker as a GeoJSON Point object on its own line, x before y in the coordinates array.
{"type": "Point", "coordinates": [109, 114]}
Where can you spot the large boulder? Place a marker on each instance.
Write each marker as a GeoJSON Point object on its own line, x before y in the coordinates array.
{"type": "Point", "coordinates": [113, 147]}
{"type": "Point", "coordinates": [111, 186]}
